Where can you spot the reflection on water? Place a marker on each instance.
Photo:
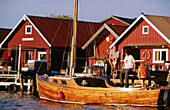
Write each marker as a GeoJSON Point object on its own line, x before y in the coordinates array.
{"type": "Point", "coordinates": [13, 101]}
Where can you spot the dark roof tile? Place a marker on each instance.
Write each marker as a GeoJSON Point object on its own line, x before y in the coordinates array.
{"type": "Point", "coordinates": [4, 33]}
{"type": "Point", "coordinates": [58, 32]}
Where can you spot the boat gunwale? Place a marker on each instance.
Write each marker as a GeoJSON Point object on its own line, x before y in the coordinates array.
{"type": "Point", "coordinates": [111, 88]}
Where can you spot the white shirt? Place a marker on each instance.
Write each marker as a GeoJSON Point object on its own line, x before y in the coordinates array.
{"type": "Point", "coordinates": [128, 61]}
{"type": "Point", "coordinates": [114, 54]}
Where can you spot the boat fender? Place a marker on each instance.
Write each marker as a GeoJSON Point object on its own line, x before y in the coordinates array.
{"type": "Point", "coordinates": [166, 97]}
{"type": "Point", "coordinates": [12, 88]}
{"type": "Point", "coordinates": [60, 95]}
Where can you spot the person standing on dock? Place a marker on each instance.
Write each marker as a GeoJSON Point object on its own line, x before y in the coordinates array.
{"type": "Point", "coordinates": [142, 69]}
{"type": "Point", "coordinates": [113, 58]}
{"type": "Point", "coordinates": [128, 66]}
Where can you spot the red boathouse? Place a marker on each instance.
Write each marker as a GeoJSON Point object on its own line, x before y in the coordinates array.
{"type": "Point", "coordinates": [98, 45]}
{"type": "Point", "coordinates": [47, 39]}
{"type": "Point", "coordinates": [148, 40]}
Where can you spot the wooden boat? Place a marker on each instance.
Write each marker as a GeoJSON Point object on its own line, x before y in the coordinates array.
{"type": "Point", "coordinates": [91, 90]}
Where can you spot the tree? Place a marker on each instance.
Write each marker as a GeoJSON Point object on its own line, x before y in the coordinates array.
{"type": "Point", "coordinates": [60, 16]}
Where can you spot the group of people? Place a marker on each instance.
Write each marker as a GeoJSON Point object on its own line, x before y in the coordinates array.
{"type": "Point", "coordinates": [128, 66]}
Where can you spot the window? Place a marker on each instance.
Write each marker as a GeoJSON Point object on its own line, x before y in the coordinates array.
{"type": "Point", "coordinates": [63, 82]}
{"type": "Point", "coordinates": [145, 30]}
{"type": "Point", "coordinates": [28, 29]}
{"type": "Point", "coordinates": [160, 55]}
{"type": "Point", "coordinates": [55, 81]}
{"type": "Point", "coordinates": [41, 55]}
{"type": "Point", "coordinates": [28, 55]}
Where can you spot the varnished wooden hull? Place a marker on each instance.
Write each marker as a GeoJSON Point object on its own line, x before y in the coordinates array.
{"type": "Point", "coordinates": [91, 95]}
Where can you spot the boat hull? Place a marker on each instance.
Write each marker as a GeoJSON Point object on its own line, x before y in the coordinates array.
{"type": "Point", "coordinates": [90, 95]}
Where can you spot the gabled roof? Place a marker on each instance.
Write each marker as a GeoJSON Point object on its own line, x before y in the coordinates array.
{"type": "Point", "coordinates": [3, 33]}
{"type": "Point", "coordinates": [58, 32]}
{"type": "Point", "coordinates": [126, 21]}
{"type": "Point", "coordinates": [161, 24]}
{"type": "Point", "coordinates": [113, 29]}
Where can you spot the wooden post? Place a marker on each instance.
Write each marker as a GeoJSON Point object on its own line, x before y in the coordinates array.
{"type": "Point", "coordinates": [29, 84]}
{"type": "Point", "coordinates": [21, 84]}
{"type": "Point", "coordinates": [19, 71]}
{"type": "Point", "coordinates": [19, 59]}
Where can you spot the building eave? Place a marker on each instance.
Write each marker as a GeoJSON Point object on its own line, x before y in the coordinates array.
{"type": "Point", "coordinates": [11, 32]}
{"type": "Point", "coordinates": [105, 26]}
{"type": "Point", "coordinates": [24, 18]}
{"type": "Point", "coordinates": [147, 20]}
{"type": "Point", "coordinates": [38, 31]}
{"type": "Point", "coordinates": [115, 19]}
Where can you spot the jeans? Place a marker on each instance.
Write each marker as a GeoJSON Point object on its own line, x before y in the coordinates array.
{"type": "Point", "coordinates": [125, 71]}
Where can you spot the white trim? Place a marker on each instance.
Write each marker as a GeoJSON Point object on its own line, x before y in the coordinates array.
{"type": "Point", "coordinates": [38, 31]}
{"type": "Point", "coordinates": [24, 19]}
{"type": "Point", "coordinates": [143, 29]}
{"type": "Point", "coordinates": [98, 32]}
{"type": "Point", "coordinates": [160, 50]}
{"type": "Point", "coordinates": [141, 16]}
{"type": "Point", "coordinates": [26, 27]}
{"type": "Point", "coordinates": [41, 53]}
{"type": "Point", "coordinates": [111, 31]}
{"type": "Point", "coordinates": [27, 39]}
{"type": "Point", "coordinates": [126, 31]}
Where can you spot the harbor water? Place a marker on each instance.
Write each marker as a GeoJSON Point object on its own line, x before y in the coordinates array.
{"type": "Point", "coordinates": [13, 101]}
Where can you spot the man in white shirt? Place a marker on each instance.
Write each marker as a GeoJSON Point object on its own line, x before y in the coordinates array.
{"type": "Point", "coordinates": [113, 58]}
{"type": "Point", "coordinates": [128, 66]}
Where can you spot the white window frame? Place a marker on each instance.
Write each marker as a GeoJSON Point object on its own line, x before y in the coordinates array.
{"type": "Point", "coordinates": [39, 53]}
{"type": "Point", "coordinates": [26, 29]}
{"type": "Point", "coordinates": [143, 32]}
{"type": "Point", "coordinates": [160, 50]}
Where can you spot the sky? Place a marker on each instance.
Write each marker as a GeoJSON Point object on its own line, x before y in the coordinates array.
{"type": "Point", "coordinates": [11, 11]}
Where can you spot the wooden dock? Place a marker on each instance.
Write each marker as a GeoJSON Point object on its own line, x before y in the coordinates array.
{"type": "Point", "coordinates": [12, 78]}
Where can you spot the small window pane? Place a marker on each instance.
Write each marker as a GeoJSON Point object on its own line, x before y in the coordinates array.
{"type": "Point", "coordinates": [163, 56]}
{"type": "Point", "coordinates": [157, 56]}
{"type": "Point", "coordinates": [55, 81]}
{"type": "Point", "coordinates": [28, 29]}
{"type": "Point", "coordinates": [145, 30]}
{"type": "Point", "coordinates": [42, 56]}
{"type": "Point", "coordinates": [63, 82]}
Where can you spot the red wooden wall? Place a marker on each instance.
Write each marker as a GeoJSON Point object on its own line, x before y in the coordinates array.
{"type": "Point", "coordinates": [104, 45]}
{"type": "Point", "coordinates": [135, 36]}
{"type": "Point", "coordinates": [115, 22]}
{"type": "Point", "coordinates": [38, 41]}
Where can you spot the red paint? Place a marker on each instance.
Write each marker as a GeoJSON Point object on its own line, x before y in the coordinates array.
{"type": "Point", "coordinates": [115, 22]}
{"type": "Point", "coordinates": [38, 42]}
{"type": "Point", "coordinates": [5, 54]}
{"type": "Point", "coordinates": [57, 32]}
{"type": "Point", "coordinates": [103, 44]}
{"type": "Point", "coordinates": [135, 36]}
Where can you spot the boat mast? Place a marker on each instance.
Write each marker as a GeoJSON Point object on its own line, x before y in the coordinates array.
{"type": "Point", "coordinates": [74, 44]}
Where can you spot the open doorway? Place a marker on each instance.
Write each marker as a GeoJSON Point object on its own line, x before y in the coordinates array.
{"type": "Point", "coordinates": [135, 52]}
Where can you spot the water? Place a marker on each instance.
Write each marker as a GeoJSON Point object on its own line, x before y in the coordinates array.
{"type": "Point", "coordinates": [13, 101]}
